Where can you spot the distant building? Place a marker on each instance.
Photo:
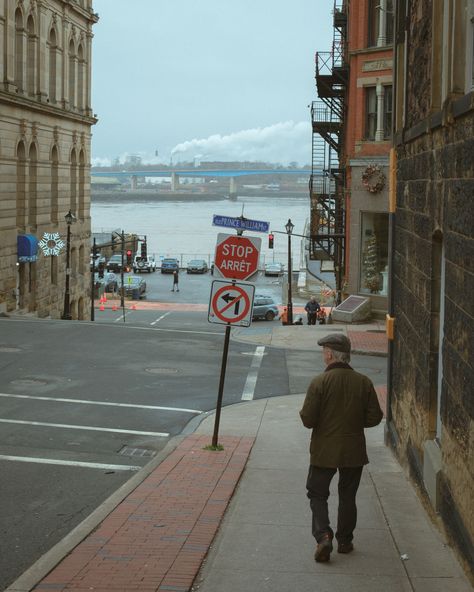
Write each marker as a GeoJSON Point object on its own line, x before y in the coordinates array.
{"type": "Point", "coordinates": [349, 203]}
{"type": "Point", "coordinates": [431, 393]}
{"type": "Point", "coordinates": [45, 100]}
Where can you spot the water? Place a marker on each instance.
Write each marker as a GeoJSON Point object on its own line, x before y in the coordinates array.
{"type": "Point", "coordinates": [184, 229]}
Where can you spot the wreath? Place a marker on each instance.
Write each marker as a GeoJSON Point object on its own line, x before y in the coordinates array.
{"type": "Point", "coordinates": [373, 178]}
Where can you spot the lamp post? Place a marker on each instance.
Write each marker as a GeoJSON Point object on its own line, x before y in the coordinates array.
{"type": "Point", "coordinates": [70, 219]}
{"type": "Point", "coordinates": [289, 229]}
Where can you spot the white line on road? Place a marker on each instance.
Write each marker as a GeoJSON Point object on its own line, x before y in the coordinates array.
{"type": "Point", "coordinates": [159, 318]}
{"type": "Point", "coordinates": [70, 463]}
{"type": "Point", "coordinates": [88, 428]}
{"type": "Point", "coordinates": [121, 317]}
{"type": "Point", "coordinates": [107, 403]}
{"type": "Point", "coordinates": [252, 376]}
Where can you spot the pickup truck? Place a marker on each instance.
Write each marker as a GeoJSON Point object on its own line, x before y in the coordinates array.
{"type": "Point", "coordinates": [144, 264]}
{"type": "Point", "coordinates": [115, 263]}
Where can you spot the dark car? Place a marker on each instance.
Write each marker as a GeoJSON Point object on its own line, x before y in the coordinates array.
{"type": "Point", "coordinates": [135, 286]}
{"type": "Point", "coordinates": [115, 263]}
{"type": "Point", "coordinates": [264, 307]}
{"type": "Point", "coordinates": [197, 266]}
{"type": "Point", "coordinates": [110, 281]}
{"type": "Point", "coordinates": [169, 265]}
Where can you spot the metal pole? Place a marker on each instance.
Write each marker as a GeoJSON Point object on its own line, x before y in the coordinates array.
{"type": "Point", "coordinates": [221, 386]}
{"type": "Point", "coordinates": [290, 275]}
{"type": "Point", "coordinates": [122, 294]}
{"type": "Point", "coordinates": [67, 309]}
{"type": "Point", "coordinates": [94, 254]}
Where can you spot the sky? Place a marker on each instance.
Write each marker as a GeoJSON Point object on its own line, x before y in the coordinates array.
{"type": "Point", "coordinates": [197, 80]}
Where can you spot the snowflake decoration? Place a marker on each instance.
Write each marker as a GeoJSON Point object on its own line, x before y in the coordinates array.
{"type": "Point", "coordinates": [51, 244]}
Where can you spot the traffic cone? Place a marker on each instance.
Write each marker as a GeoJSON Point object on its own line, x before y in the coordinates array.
{"type": "Point", "coordinates": [105, 297]}
{"type": "Point", "coordinates": [133, 307]}
{"type": "Point", "coordinates": [114, 306]}
{"type": "Point", "coordinates": [101, 299]}
{"type": "Point", "coordinates": [101, 307]}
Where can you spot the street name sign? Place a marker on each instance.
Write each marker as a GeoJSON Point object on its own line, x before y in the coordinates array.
{"type": "Point", "coordinates": [236, 257]}
{"type": "Point", "coordinates": [240, 223]}
{"type": "Point", "coordinates": [231, 303]}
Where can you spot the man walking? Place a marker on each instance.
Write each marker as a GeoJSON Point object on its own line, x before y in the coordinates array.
{"type": "Point", "coordinates": [312, 308]}
{"type": "Point", "coordinates": [175, 281]}
{"type": "Point", "coordinates": [339, 404]}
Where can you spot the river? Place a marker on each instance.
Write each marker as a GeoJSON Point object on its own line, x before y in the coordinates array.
{"type": "Point", "coordinates": [184, 229]}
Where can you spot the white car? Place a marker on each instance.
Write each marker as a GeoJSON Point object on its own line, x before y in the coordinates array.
{"type": "Point", "coordinates": [274, 269]}
{"type": "Point", "coordinates": [144, 264]}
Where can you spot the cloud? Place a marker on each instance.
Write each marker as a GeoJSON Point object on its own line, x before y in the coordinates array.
{"type": "Point", "coordinates": [282, 142]}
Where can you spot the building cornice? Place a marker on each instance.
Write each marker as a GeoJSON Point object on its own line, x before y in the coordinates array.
{"type": "Point", "coordinates": [371, 50]}
{"type": "Point", "coordinates": [42, 108]}
{"type": "Point", "coordinates": [88, 14]}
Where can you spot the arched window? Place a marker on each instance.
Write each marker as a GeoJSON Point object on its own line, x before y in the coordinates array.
{"type": "Point", "coordinates": [54, 185]}
{"type": "Point", "coordinates": [53, 48]}
{"type": "Point", "coordinates": [82, 263]}
{"type": "Point", "coordinates": [20, 186]}
{"type": "Point", "coordinates": [82, 185]}
{"type": "Point", "coordinates": [72, 76]}
{"type": "Point", "coordinates": [30, 57]}
{"type": "Point", "coordinates": [80, 78]}
{"type": "Point", "coordinates": [73, 185]}
{"type": "Point", "coordinates": [32, 185]}
{"type": "Point", "coordinates": [19, 51]}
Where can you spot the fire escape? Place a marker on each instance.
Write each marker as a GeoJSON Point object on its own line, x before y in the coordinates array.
{"type": "Point", "coordinates": [327, 177]}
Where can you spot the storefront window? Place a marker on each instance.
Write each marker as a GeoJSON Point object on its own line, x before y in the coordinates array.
{"type": "Point", "coordinates": [374, 253]}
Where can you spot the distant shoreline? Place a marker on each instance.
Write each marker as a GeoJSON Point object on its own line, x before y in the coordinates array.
{"type": "Point", "coordinates": [146, 195]}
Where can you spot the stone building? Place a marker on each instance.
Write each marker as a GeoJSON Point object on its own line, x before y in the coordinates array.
{"type": "Point", "coordinates": [45, 136]}
{"type": "Point", "coordinates": [353, 116]}
{"type": "Point", "coordinates": [431, 363]}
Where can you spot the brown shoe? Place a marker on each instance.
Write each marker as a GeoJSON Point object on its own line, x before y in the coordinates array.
{"type": "Point", "coordinates": [324, 548]}
{"type": "Point", "coordinates": [345, 547]}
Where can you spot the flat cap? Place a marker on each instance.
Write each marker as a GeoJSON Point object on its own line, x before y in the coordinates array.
{"type": "Point", "coordinates": [337, 342]}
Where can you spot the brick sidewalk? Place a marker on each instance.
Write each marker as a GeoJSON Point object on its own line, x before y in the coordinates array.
{"type": "Point", "coordinates": [366, 341]}
{"type": "Point", "coordinates": [157, 538]}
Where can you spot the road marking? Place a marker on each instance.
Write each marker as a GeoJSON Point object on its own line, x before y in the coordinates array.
{"type": "Point", "coordinates": [88, 428]}
{"type": "Point", "coordinates": [252, 376]}
{"type": "Point", "coordinates": [121, 317]}
{"type": "Point", "coordinates": [70, 463]}
{"type": "Point", "coordinates": [159, 318]}
{"type": "Point", "coordinates": [107, 403]}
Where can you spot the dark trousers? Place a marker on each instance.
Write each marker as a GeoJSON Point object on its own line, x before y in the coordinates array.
{"type": "Point", "coordinates": [312, 318]}
{"type": "Point", "coordinates": [319, 479]}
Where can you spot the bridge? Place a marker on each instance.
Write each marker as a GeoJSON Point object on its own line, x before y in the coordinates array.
{"type": "Point", "coordinates": [175, 174]}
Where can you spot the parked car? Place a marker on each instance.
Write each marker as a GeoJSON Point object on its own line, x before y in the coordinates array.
{"type": "Point", "coordinates": [264, 307]}
{"type": "Point", "coordinates": [197, 266]}
{"type": "Point", "coordinates": [273, 269]}
{"type": "Point", "coordinates": [135, 286]}
{"type": "Point", "coordinates": [144, 264]}
{"type": "Point", "coordinates": [110, 281]}
{"type": "Point", "coordinates": [169, 265]}
{"type": "Point", "coordinates": [115, 263]}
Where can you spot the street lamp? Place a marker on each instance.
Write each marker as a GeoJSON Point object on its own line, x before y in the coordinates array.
{"type": "Point", "coordinates": [289, 229]}
{"type": "Point", "coordinates": [70, 219]}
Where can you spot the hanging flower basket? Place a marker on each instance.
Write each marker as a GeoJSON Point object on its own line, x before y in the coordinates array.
{"type": "Point", "coordinates": [373, 178]}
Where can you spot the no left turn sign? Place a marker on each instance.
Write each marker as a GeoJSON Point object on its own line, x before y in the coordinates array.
{"type": "Point", "coordinates": [231, 303]}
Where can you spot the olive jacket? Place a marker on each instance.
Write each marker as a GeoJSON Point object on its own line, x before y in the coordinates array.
{"type": "Point", "coordinates": [339, 404]}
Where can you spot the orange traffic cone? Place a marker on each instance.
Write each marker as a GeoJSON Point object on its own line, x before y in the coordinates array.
{"type": "Point", "coordinates": [133, 307]}
{"type": "Point", "coordinates": [101, 307]}
{"type": "Point", "coordinates": [114, 306]}
{"type": "Point", "coordinates": [101, 299]}
{"type": "Point", "coordinates": [104, 297]}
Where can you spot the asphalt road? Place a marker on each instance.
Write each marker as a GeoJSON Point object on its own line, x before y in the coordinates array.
{"type": "Point", "coordinates": [98, 399]}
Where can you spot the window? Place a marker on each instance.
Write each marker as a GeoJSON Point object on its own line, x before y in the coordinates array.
{"type": "Point", "coordinates": [73, 182]}
{"type": "Point", "coordinates": [373, 33]}
{"type": "Point", "coordinates": [387, 112]}
{"type": "Point", "coordinates": [72, 76]}
{"type": "Point", "coordinates": [370, 112]}
{"type": "Point", "coordinates": [80, 78]}
{"type": "Point", "coordinates": [20, 186]}
{"type": "Point", "coordinates": [31, 57]}
{"type": "Point", "coordinates": [374, 253]}
{"type": "Point", "coordinates": [32, 186]}
{"type": "Point", "coordinates": [52, 66]}
{"type": "Point", "coordinates": [82, 186]}
{"type": "Point", "coordinates": [54, 185]}
{"type": "Point", "coordinates": [19, 37]}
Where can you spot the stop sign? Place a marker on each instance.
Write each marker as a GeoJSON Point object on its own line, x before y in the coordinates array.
{"type": "Point", "coordinates": [236, 256]}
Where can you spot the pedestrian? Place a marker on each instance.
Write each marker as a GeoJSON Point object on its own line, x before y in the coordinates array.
{"type": "Point", "coordinates": [339, 404]}
{"type": "Point", "coordinates": [312, 308]}
{"type": "Point", "coordinates": [175, 280]}
{"type": "Point", "coordinates": [284, 316]}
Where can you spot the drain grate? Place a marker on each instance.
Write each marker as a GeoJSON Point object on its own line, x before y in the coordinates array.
{"type": "Point", "coordinates": [141, 452]}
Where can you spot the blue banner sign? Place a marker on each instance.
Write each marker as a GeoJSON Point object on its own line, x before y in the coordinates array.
{"type": "Point", "coordinates": [240, 223]}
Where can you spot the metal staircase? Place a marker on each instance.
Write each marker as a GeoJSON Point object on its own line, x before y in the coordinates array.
{"type": "Point", "coordinates": [327, 222]}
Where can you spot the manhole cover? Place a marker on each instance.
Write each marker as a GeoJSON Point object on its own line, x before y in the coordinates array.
{"type": "Point", "coordinates": [29, 382]}
{"type": "Point", "coordinates": [131, 451]}
{"type": "Point", "coordinates": [162, 370]}
{"type": "Point", "coordinates": [9, 350]}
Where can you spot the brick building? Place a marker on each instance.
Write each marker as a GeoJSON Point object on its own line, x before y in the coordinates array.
{"type": "Point", "coordinates": [431, 363]}
{"type": "Point", "coordinates": [45, 101]}
{"type": "Point", "coordinates": [353, 116]}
